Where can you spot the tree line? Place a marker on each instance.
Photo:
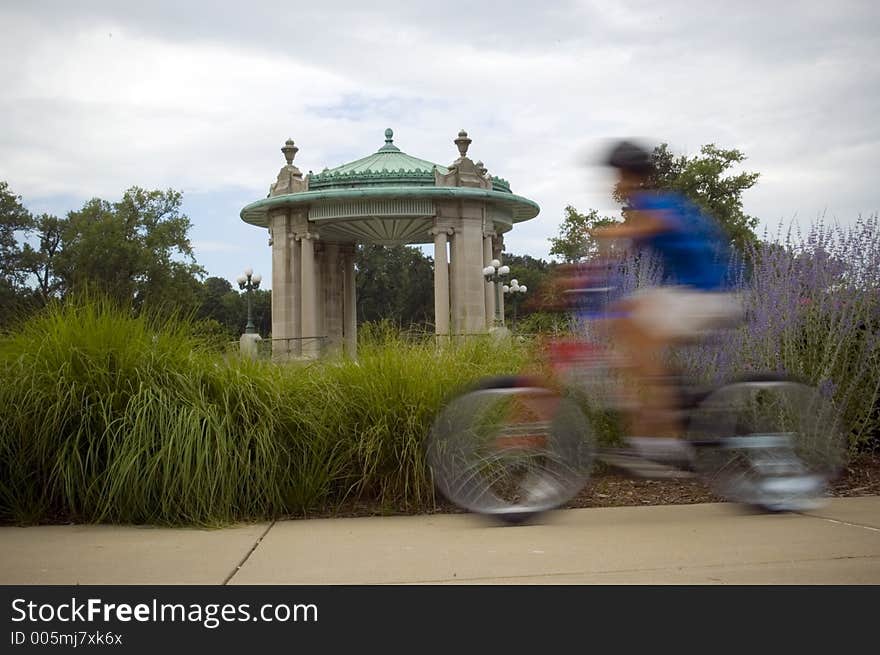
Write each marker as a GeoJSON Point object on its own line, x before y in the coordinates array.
{"type": "Point", "coordinates": [137, 251]}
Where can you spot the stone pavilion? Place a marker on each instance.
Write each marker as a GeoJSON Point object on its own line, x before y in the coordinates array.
{"type": "Point", "coordinates": [389, 198]}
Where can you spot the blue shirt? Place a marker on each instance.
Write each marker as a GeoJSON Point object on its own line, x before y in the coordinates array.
{"type": "Point", "coordinates": [693, 248]}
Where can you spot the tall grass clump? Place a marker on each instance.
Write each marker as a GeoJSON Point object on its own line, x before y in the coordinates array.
{"type": "Point", "coordinates": [375, 412]}
{"type": "Point", "coordinates": [386, 400]}
{"type": "Point", "coordinates": [112, 417]}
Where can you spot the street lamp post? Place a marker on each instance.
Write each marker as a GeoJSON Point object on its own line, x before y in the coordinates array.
{"type": "Point", "coordinates": [515, 289]}
{"type": "Point", "coordinates": [495, 273]}
{"type": "Point", "coordinates": [248, 281]}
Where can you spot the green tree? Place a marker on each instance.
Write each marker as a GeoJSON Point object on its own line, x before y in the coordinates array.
{"type": "Point", "coordinates": [527, 270]}
{"type": "Point", "coordinates": [708, 181]}
{"type": "Point", "coordinates": [531, 272]}
{"type": "Point", "coordinates": [574, 241]}
{"type": "Point", "coordinates": [135, 250]}
{"type": "Point", "coordinates": [396, 283]}
{"type": "Point", "coordinates": [219, 302]}
{"type": "Point", "coordinates": [41, 262]}
{"type": "Point", "coordinates": [262, 310]}
{"type": "Point", "coordinates": [15, 220]}
{"type": "Point", "coordinates": [216, 287]}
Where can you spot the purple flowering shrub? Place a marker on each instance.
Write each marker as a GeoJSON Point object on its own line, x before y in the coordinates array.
{"type": "Point", "coordinates": [812, 311]}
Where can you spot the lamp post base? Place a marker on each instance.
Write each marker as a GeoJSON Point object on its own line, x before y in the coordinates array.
{"type": "Point", "coordinates": [248, 344]}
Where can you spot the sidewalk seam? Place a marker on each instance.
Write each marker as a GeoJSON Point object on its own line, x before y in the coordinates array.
{"type": "Point", "coordinates": [248, 554]}
{"type": "Point", "coordinates": [838, 521]}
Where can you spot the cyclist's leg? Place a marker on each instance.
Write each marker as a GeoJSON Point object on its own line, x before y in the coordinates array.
{"type": "Point", "coordinates": [661, 318]}
{"type": "Point", "coordinates": [644, 349]}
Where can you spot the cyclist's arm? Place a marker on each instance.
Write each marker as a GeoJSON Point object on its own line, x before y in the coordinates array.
{"type": "Point", "coordinates": [638, 225]}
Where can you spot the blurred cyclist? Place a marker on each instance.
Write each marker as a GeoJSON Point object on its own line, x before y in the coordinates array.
{"type": "Point", "coordinates": [692, 300]}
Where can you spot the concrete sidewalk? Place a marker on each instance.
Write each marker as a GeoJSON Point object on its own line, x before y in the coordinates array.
{"type": "Point", "coordinates": [682, 544]}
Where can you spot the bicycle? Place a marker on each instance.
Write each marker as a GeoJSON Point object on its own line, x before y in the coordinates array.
{"type": "Point", "coordinates": [514, 447]}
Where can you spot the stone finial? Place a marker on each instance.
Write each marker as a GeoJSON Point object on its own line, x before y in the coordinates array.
{"type": "Point", "coordinates": [462, 142]}
{"type": "Point", "coordinates": [289, 151]}
{"type": "Point", "coordinates": [290, 179]}
{"type": "Point", "coordinates": [481, 168]}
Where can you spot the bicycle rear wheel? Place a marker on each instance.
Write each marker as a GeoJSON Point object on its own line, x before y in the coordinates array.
{"type": "Point", "coordinates": [510, 449]}
{"type": "Point", "coordinates": [770, 443]}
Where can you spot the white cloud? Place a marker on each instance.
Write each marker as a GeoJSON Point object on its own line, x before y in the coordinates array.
{"type": "Point", "coordinates": [200, 97]}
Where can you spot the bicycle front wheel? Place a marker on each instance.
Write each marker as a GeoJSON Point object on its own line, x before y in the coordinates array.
{"type": "Point", "coordinates": [510, 449]}
{"type": "Point", "coordinates": [771, 443]}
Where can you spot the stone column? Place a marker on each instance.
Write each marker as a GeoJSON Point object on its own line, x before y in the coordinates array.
{"type": "Point", "coordinates": [320, 296]}
{"type": "Point", "coordinates": [441, 283]}
{"type": "Point", "coordinates": [309, 295]}
{"type": "Point", "coordinates": [469, 218]}
{"type": "Point", "coordinates": [332, 284]}
{"type": "Point", "coordinates": [286, 266]}
{"type": "Point", "coordinates": [349, 310]}
{"type": "Point", "coordinates": [469, 300]}
{"type": "Point", "coordinates": [282, 283]}
{"type": "Point", "coordinates": [497, 248]}
{"type": "Point", "coordinates": [295, 346]}
{"type": "Point", "coordinates": [453, 282]}
{"type": "Point", "coordinates": [488, 287]}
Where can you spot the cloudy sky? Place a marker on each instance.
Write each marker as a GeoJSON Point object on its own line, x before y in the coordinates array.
{"type": "Point", "coordinates": [100, 95]}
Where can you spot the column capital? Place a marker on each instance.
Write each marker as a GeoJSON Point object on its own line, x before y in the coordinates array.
{"type": "Point", "coordinates": [434, 231]}
{"type": "Point", "coordinates": [307, 235]}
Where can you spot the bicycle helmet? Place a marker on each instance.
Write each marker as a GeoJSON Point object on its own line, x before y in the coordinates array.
{"type": "Point", "coordinates": [630, 157]}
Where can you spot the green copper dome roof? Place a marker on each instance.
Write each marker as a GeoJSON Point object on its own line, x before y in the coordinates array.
{"type": "Point", "coordinates": [387, 197]}
{"type": "Point", "coordinates": [388, 166]}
